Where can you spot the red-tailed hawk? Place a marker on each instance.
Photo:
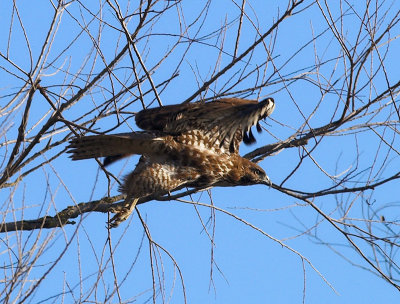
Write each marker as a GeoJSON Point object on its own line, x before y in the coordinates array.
{"type": "Point", "coordinates": [185, 145]}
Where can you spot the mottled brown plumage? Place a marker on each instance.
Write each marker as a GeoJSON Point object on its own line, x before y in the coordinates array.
{"type": "Point", "coordinates": [186, 145]}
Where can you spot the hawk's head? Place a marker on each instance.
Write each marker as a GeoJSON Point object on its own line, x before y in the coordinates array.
{"type": "Point", "coordinates": [253, 174]}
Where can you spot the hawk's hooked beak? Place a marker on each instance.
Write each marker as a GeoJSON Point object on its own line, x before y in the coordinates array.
{"type": "Point", "coordinates": [266, 181]}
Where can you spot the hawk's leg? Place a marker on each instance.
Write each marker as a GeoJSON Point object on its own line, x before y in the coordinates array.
{"type": "Point", "coordinates": [124, 213]}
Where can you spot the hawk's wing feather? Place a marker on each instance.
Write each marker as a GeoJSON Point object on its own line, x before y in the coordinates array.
{"type": "Point", "coordinates": [222, 119]}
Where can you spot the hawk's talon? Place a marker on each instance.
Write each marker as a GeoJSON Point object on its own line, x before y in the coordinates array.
{"type": "Point", "coordinates": [119, 217]}
{"type": "Point", "coordinates": [122, 214]}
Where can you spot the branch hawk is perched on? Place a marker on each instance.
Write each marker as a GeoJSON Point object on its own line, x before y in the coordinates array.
{"type": "Point", "coordinates": [185, 145]}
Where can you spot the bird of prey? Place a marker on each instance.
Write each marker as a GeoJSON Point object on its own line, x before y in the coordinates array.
{"type": "Point", "coordinates": [184, 145]}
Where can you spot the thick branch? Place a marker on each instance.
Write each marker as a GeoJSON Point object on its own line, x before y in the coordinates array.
{"type": "Point", "coordinates": [104, 205]}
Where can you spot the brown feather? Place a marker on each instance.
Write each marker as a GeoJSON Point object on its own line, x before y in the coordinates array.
{"type": "Point", "coordinates": [116, 145]}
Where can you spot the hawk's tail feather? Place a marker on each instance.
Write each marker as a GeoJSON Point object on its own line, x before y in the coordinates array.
{"type": "Point", "coordinates": [113, 147]}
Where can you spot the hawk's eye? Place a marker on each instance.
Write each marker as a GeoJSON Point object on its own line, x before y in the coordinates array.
{"type": "Point", "coordinates": [258, 172]}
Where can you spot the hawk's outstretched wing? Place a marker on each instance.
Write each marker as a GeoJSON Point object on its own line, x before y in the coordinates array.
{"type": "Point", "coordinates": [220, 123]}
{"type": "Point", "coordinates": [222, 118]}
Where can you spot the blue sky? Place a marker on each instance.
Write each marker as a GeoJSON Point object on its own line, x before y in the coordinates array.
{"type": "Point", "coordinates": [244, 262]}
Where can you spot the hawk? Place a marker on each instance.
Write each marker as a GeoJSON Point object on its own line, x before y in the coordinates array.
{"type": "Point", "coordinates": [184, 145]}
